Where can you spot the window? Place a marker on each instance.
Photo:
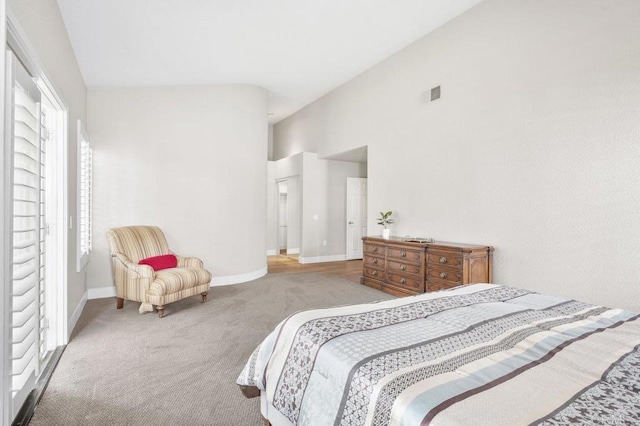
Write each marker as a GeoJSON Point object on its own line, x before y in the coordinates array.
{"type": "Point", "coordinates": [85, 165]}
{"type": "Point", "coordinates": [27, 213]}
{"type": "Point", "coordinates": [34, 194]}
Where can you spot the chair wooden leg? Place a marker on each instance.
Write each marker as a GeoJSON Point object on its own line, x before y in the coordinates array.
{"type": "Point", "coordinates": [266, 422]}
{"type": "Point", "coordinates": [120, 301]}
{"type": "Point", "coordinates": [160, 311]}
{"type": "Point", "coordinates": [204, 296]}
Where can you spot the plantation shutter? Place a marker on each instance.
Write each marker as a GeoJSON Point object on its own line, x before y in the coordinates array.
{"type": "Point", "coordinates": [85, 197]}
{"type": "Point", "coordinates": [44, 231]}
{"type": "Point", "coordinates": [26, 234]}
{"type": "Point", "coordinates": [85, 165]}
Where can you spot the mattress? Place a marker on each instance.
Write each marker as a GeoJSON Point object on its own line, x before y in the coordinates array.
{"type": "Point", "coordinates": [480, 354]}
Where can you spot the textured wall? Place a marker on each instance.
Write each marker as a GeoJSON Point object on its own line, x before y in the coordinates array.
{"type": "Point", "coordinates": [192, 160]}
{"type": "Point", "coordinates": [533, 147]}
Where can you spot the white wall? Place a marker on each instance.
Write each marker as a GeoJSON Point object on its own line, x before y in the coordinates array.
{"type": "Point", "coordinates": [533, 147]}
{"type": "Point", "coordinates": [43, 26]}
{"type": "Point", "coordinates": [314, 198]}
{"type": "Point", "coordinates": [192, 160]}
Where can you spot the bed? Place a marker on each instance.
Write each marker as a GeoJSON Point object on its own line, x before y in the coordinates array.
{"type": "Point", "coordinates": [480, 354]}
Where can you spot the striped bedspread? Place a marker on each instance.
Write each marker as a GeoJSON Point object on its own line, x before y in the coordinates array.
{"type": "Point", "coordinates": [480, 354]}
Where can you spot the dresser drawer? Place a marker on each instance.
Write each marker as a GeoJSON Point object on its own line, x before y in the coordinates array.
{"type": "Point", "coordinates": [409, 282]}
{"type": "Point", "coordinates": [441, 274]}
{"type": "Point", "coordinates": [374, 249]}
{"type": "Point", "coordinates": [375, 273]}
{"type": "Point", "coordinates": [443, 258]}
{"type": "Point", "coordinates": [397, 291]}
{"type": "Point", "coordinates": [375, 262]}
{"type": "Point", "coordinates": [404, 255]}
{"type": "Point", "coordinates": [409, 268]}
{"type": "Point", "coordinates": [433, 286]}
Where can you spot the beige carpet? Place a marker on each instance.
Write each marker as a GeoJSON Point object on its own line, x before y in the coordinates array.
{"type": "Point", "coordinates": [124, 368]}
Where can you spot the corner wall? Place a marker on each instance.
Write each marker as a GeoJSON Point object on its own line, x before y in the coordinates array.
{"type": "Point", "coordinates": [191, 160]}
{"type": "Point", "coordinates": [533, 147]}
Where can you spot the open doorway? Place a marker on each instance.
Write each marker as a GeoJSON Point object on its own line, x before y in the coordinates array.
{"type": "Point", "coordinates": [288, 203]}
{"type": "Point", "coordinates": [354, 216]}
{"type": "Point", "coordinates": [282, 217]}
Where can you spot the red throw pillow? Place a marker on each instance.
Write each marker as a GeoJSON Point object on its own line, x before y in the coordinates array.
{"type": "Point", "coordinates": [160, 262]}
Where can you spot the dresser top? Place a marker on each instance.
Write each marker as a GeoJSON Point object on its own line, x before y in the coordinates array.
{"type": "Point", "coordinates": [413, 241]}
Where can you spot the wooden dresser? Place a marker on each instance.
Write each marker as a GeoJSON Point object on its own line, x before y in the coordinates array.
{"type": "Point", "coordinates": [403, 267]}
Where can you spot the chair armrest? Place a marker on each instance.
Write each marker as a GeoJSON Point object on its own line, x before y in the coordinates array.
{"type": "Point", "coordinates": [142, 271]}
{"type": "Point", "coordinates": [188, 262]}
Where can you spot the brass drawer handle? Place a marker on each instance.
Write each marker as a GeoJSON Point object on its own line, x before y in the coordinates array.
{"type": "Point", "coordinates": [375, 249]}
{"type": "Point", "coordinates": [403, 254]}
{"type": "Point", "coordinates": [403, 281]}
{"type": "Point", "coordinates": [374, 273]}
{"type": "Point", "coordinates": [375, 261]}
{"type": "Point", "coordinates": [443, 275]}
{"type": "Point", "coordinates": [443, 260]}
{"type": "Point", "coordinates": [403, 267]}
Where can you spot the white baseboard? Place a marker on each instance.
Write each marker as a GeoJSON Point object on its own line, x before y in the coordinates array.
{"type": "Point", "coordinates": [322, 259]}
{"type": "Point", "coordinates": [293, 251]}
{"type": "Point", "coordinates": [236, 279]}
{"type": "Point", "coordinates": [73, 319]}
{"type": "Point", "coordinates": [272, 252]}
{"type": "Point", "coordinates": [101, 292]}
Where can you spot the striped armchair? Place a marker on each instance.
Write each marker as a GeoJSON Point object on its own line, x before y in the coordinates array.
{"type": "Point", "coordinates": [141, 283]}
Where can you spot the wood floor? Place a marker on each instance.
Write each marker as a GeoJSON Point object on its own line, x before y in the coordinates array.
{"type": "Point", "coordinates": [348, 269]}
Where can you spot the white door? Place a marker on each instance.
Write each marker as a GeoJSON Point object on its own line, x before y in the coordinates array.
{"type": "Point", "coordinates": [356, 216]}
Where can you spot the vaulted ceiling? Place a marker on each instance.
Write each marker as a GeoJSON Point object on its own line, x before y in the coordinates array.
{"type": "Point", "coordinates": [296, 49]}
